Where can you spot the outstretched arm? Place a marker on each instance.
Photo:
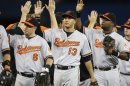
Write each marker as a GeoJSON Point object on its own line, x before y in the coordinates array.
{"type": "Point", "coordinates": [79, 8]}
{"type": "Point", "coordinates": [38, 9]}
{"type": "Point", "coordinates": [25, 10]}
{"type": "Point", "coordinates": [92, 18]}
{"type": "Point", "coordinates": [51, 9]}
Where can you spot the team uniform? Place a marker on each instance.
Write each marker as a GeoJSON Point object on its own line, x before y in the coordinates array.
{"type": "Point", "coordinates": [105, 66]}
{"type": "Point", "coordinates": [29, 56]}
{"type": "Point", "coordinates": [4, 44]}
{"type": "Point", "coordinates": [125, 71]}
{"type": "Point", "coordinates": [66, 53]}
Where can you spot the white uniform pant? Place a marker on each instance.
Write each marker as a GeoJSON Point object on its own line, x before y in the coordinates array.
{"type": "Point", "coordinates": [108, 78]}
{"type": "Point", "coordinates": [125, 80]}
{"type": "Point", "coordinates": [85, 82]}
{"type": "Point", "coordinates": [24, 81]}
{"type": "Point", "coordinates": [68, 77]}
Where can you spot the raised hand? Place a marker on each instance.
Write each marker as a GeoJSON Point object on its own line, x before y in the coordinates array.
{"type": "Point", "coordinates": [26, 8]}
{"type": "Point", "coordinates": [38, 8]}
{"type": "Point", "coordinates": [51, 6]}
{"type": "Point", "coordinates": [93, 17]}
{"type": "Point", "coordinates": [79, 6]}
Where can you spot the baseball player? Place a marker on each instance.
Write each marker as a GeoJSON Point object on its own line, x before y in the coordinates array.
{"type": "Point", "coordinates": [5, 58]}
{"type": "Point", "coordinates": [66, 48]}
{"type": "Point", "coordinates": [105, 65]}
{"type": "Point", "coordinates": [125, 65]}
{"type": "Point", "coordinates": [30, 51]}
{"type": "Point", "coordinates": [4, 50]}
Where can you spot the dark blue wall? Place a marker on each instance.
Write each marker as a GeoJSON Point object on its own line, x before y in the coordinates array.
{"type": "Point", "coordinates": [10, 9]}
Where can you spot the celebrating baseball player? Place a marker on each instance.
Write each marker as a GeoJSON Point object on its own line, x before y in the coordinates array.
{"type": "Point", "coordinates": [106, 47]}
{"type": "Point", "coordinates": [4, 55]}
{"type": "Point", "coordinates": [30, 50]}
{"type": "Point", "coordinates": [125, 65]}
{"type": "Point", "coordinates": [66, 48]}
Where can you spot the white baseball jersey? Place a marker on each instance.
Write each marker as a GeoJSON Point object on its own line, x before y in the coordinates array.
{"type": "Point", "coordinates": [100, 58]}
{"type": "Point", "coordinates": [66, 50]}
{"type": "Point", "coordinates": [4, 42]}
{"type": "Point", "coordinates": [125, 65]}
{"type": "Point", "coordinates": [29, 53]}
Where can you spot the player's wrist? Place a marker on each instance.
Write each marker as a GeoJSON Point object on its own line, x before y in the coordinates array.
{"type": "Point", "coordinates": [78, 14]}
{"type": "Point", "coordinates": [48, 66]}
{"type": "Point", "coordinates": [6, 64]}
{"type": "Point", "coordinates": [115, 53]}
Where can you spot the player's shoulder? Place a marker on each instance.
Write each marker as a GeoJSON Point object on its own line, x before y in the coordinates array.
{"type": "Point", "coordinates": [2, 27]}
{"type": "Point", "coordinates": [53, 30]}
{"type": "Point", "coordinates": [80, 34]}
{"type": "Point", "coordinates": [40, 38]}
{"type": "Point", "coordinates": [117, 35]}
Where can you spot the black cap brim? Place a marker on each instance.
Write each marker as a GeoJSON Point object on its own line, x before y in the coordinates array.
{"type": "Point", "coordinates": [68, 15]}
{"type": "Point", "coordinates": [105, 17]}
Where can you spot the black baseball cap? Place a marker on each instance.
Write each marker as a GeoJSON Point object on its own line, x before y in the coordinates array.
{"type": "Point", "coordinates": [109, 16]}
{"type": "Point", "coordinates": [126, 25]}
{"type": "Point", "coordinates": [70, 14]}
{"type": "Point", "coordinates": [31, 22]}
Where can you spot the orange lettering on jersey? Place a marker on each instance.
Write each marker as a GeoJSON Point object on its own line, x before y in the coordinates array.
{"type": "Point", "coordinates": [28, 49]}
{"type": "Point", "coordinates": [35, 57]}
{"type": "Point", "coordinates": [98, 43]}
{"type": "Point", "coordinates": [63, 43]}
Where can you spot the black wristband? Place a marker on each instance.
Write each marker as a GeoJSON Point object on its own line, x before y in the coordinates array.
{"type": "Point", "coordinates": [115, 53]}
{"type": "Point", "coordinates": [128, 54]}
{"type": "Point", "coordinates": [48, 66]}
{"type": "Point", "coordinates": [6, 62]}
{"type": "Point", "coordinates": [78, 14]}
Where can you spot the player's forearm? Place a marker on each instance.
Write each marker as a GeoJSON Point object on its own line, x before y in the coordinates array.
{"type": "Point", "coordinates": [124, 56]}
{"type": "Point", "coordinates": [6, 54]}
{"type": "Point", "coordinates": [7, 57]}
{"type": "Point", "coordinates": [78, 23]}
{"type": "Point", "coordinates": [89, 67]}
{"type": "Point", "coordinates": [23, 18]}
{"type": "Point", "coordinates": [53, 20]}
{"type": "Point", "coordinates": [91, 25]}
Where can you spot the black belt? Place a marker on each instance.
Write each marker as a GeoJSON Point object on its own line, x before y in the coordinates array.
{"type": "Point", "coordinates": [125, 73]}
{"type": "Point", "coordinates": [26, 75]}
{"type": "Point", "coordinates": [64, 67]}
{"type": "Point", "coordinates": [105, 68]}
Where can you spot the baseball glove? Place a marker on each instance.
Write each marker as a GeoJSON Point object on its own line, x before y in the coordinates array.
{"type": "Point", "coordinates": [6, 78]}
{"type": "Point", "coordinates": [94, 83]}
{"type": "Point", "coordinates": [42, 79]}
{"type": "Point", "coordinates": [109, 45]}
